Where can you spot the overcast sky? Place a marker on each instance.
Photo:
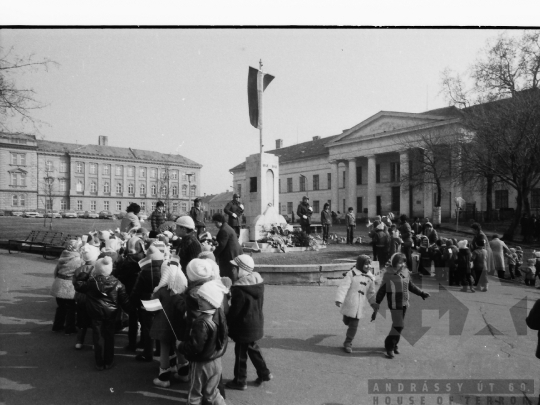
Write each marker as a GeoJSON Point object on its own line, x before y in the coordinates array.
{"type": "Point", "coordinates": [185, 91]}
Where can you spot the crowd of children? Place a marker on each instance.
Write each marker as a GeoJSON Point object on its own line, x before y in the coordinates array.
{"type": "Point", "coordinates": [103, 277]}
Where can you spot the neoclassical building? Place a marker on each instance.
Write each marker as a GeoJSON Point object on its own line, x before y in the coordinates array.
{"type": "Point", "coordinates": [364, 167]}
{"type": "Point", "coordinates": [38, 175]}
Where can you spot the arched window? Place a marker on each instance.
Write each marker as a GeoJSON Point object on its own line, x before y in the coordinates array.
{"type": "Point", "coordinates": [15, 201]}
{"type": "Point", "coordinates": [106, 187]}
{"type": "Point", "coordinates": [80, 186]}
{"type": "Point", "coordinates": [175, 190]}
{"type": "Point", "coordinates": [193, 191]}
{"type": "Point", "coordinates": [184, 191]}
{"type": "Point", "coordinates": [118, 187]}
{"type": "Point", "coordinates": [154, 189]}
{"type": "Point", "coordinates": [143, 189]}
{"type": "Point", "coordinates": [93, 187]}
{"type": "Point", "coordinates": [131, 188]}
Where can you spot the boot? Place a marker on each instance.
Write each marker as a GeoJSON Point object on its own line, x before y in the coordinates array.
{"type": "Point", "coordinates": [183, 372]}
{"type": "Point", "coordinates": [163, 379]}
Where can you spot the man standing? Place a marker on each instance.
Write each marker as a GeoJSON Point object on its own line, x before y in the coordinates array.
{"type": "Point", "coordinates": [234, 209]}
{"type": "Point", "coordinates": [157, 218]}
{"type": "Point", "coordinates": [228, 247]}
{"type": "Point", "coordinates": [304, 212]}
{"type": "Point", "coordinates": [197, 214]}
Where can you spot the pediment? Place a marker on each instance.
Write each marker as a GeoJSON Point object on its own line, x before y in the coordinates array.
{"type": "Point", "coordinates": [386, 122]}
{"type": "Point", "coordinates": [18, 170]}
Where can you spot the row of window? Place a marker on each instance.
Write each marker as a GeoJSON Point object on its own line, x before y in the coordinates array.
{"type": "Point", "coordinates": [130, 171]}
{"type": "Point", "coordinates": [131, 189]}
{"type": "Point", "coordinates": [107, 205]}
{"type": "Point", "coordinates": [501, 198]}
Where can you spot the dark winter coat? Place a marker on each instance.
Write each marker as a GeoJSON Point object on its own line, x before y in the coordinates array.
{"type": "Point", "coordinates": [228, 248]}
{"type": "Point", "coordinates": [174, 306]}
{"type": "Point", "coordinates": [406, 233]}
{"type": "Point", "coordinates": [188, 249]}
{"type": "Point", "coordinates": [79, 278]}
{"type": "Point", "coordinates": [207, 338]}
{"type": "Point", "coordinates": [128, 271]}
{"type": "Point", "coordinates": [233, 207]}
{"type": "Point", "coordinates": [198, 216]}
{"type": "Point", "coordinates": [156, 219]}
{"type": "Point", "coordinates": [245, 318]}
{"type": "Point", "coordinates": [147, 280]}
{"type": "Point", "coordinates": [396, 287]}
{"type": "Point", "coordinates": [533, 322]}
{"type": "Point", "coordinates": [303, 209]}
{"type": "Point", "coordinates": [104, 296]}
{"type": "Point", "coordinates": [463, 261]}
{"type": "Point", "coordinates": [326, 218]}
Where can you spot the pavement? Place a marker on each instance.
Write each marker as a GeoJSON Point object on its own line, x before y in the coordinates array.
{"type": "Point", "coordinates": [450, 337]}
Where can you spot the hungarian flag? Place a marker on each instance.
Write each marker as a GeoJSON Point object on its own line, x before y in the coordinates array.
{"type": "Point", "coordinates": [253, 97]}
{"type": "Point", "coordinates": [152, 305]}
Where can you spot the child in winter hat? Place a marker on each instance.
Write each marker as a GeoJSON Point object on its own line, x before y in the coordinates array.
{"type": "Point", "coordinates": [199, 269]}
{"type": "Point", "coordinates": [103, 267]}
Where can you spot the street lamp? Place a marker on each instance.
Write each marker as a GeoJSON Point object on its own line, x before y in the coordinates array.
{"type": "Point", "coordinates": [189, 175]}
{"type": "Point", "coordinates": [306, 184]}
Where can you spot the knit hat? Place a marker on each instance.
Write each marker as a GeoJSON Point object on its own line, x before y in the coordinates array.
{"type": "Point", "coordinates": [160, 245]}
{"type": "Point", "coordinates": [531, 262]}
{"type": "Point", "coordinates": [211, 293]}
{"type": "Point", "coordinates": [103, 267]}
{"type": "Point", "coordinates": [449, 242]}
{"type": "Point", "coordinates": [462, 244]}
{"type": "Point", "coordinates": [154, 253]}
{"type": "Point", "coordinates": [105, 235]}
{"type": "Point", "coordinates": [186, 222]}
{"type": "Point", "coordinates": [480, 242]}
{"type": "Point", "coordinates": [168, 234]}
{"type": "Point", "coordinates": [244, 262]}
{"type": "Point", "coordinates": [205, 236]}
{"type": "Point", "coordinates": [72, 245]}
{"type": "Point", "coordinates": [172, 276]}
{"type": "Point", "coordinates": [199, 269]}
{"type": "Point", "coordinates": [518, 249]}
{"type": "Point", "coordinates": [90, 253]}
{"type": "Point", "coordinates": [112, 244]}
{"type": "Point", "coordinates": [380, 227]}
{"type": "Point", "coordinates": [93, 239]}
{"type": "Point", "coordinates": [428, 224]}
{"type": "Point", "coordinates": [361, 261]}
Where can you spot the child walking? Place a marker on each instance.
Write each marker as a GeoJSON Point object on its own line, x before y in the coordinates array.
{"type": "Point", "coordinates": [464, 266]}
{"type": "Point", "coordinates": [396, 285]}
{"type": "Point", "coordinates": [511, 258]}
{"type": "Point", "coordinates": [529, 272]}
{"type": "Point", "coordinates": [246, 322]}
{"type": "Point", "coordinates": [355, 292]}
{"type": "Point", "coordinates": [205, 346]}
{"type": "Point", "coordinates": [350, 221]}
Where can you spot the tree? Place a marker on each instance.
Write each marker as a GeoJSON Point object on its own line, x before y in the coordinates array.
{"type": "Point", "coordinates": [47, 186]}
{"type": "Point", "coordinates": [18, 102]}
{"type": "Point", "coordinates": [502, 115]}
{"type": "Point", "coordinates": [164, 190]}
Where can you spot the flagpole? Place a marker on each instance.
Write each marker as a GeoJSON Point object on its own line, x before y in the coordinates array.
{"type": "Point", "coordinates": [260, 97]}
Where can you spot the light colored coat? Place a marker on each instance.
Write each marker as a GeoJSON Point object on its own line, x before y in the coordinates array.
{"type": "Point", "coordinates": [356, 291]}
{"type": "Point", "coordinates": [499, 248]}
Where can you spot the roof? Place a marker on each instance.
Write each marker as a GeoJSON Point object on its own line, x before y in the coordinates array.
{"type": "Point", "coordinates": [451, 111]}
{"type": "Point", "coordinates": [302, 150]}
{"type": "Point", "coordinates": [114, 152]}
{"type": "Point", "coordinates": [226, 196]}
{"type": "Point", "coordinates": [205, 199]}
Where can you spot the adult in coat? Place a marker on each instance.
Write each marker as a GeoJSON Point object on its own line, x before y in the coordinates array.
{"type": "Point", "coordinates": [406, 235]}
{"type": "Point", "coordinates": [479, 235]}
{"type": "Point", "coordinates": [304, 213]}
{"type": "Point", "coordinates": [235, 209]}
{"type": "Point", "coordinates": [197, 214]}
{"type": "Point", "coordinates": [498, 248]}
{"type": "Point", "coordinates": [228, 247]}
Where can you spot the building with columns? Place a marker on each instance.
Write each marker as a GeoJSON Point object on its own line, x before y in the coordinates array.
{"type": "Point", "coordinates": [365, 167]}
{"type": "Point", "coordinates": [91, 177]}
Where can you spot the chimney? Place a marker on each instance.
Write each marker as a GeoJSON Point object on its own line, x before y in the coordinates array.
{"type": "Point", "coordinates": [316, 138]}
{"type": "Point", "coordinates": [279, 143]}
{"type": "Point", "coordinates": [103, 140]}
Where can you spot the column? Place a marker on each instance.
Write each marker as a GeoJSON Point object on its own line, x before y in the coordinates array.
{"type": "Point", "coordinates": [428, 192]}
{"type": "Point", "coordinates": [335, 179]}
{"type": "Point", "coordinates": [404, 205]}
{"type": "Point", "coordinates": [372, 186]}
{"type": "Point", "coordinates": [351, 184]}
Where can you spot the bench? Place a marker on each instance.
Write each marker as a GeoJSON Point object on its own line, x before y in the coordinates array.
{"type": "Point", "coordinates": [43, 239]}
{"type": "Point", "coordinates": [57, 246]}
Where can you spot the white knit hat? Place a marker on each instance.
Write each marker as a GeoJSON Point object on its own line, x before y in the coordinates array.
{"type": "Point", "coordinates": [380, 227]}
{"type": "Point", "coordinates": [172, 276]}
{"type": "Point", "coordinates": [154, 253]}
{"type": "Point", "coordinates": [186, 221]}
{"type": "Point", "coordinates": [199, 269]}
{"type": "Point", "coordinates": [104, 235]}
{"type": "Point", "coordinates": [89, 253]}
{"type": "Point", "coordinates": [462, 244]}
{"type": "Point", "coordinates": [212, 293]}
{"type": "Point", "coordinates": [103, 267]}
{"type": "Point", "coordinates": [244, 262]}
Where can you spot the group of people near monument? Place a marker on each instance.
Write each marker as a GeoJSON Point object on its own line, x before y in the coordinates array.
{"type": "Point", "coordinates": [189, 292]}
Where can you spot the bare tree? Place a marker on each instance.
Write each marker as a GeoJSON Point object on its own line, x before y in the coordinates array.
{"type": "Point", "coordinates": [47, 186]}
{"type": "Point", "coordinates": [17, 102]}
{"type": "Point", "coordinates": [502, 115]}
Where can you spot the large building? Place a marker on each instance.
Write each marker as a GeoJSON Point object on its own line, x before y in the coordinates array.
{"type": "Point", "coordinates": [363, 167]}
{"type": "Point", "coordinates": [38, 175]}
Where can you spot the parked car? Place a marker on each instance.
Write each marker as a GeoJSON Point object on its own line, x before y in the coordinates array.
{"type": "Point", "coordinates": [2, 213]}
{"type": "Point", "coordinates": [107, 215]}
{"type": "Point", "coordinates": [53, 214]}
{"type": "Point", "coordinates": [91, 214]}
{"type": "Point", "coordinates": [80, 214]}
{"type": "Point", "coordinates": [17, 213]}
{"type": "Point", "coordinates": [31, 214]}
{"type": "Point", "coordinates": [69, 214]}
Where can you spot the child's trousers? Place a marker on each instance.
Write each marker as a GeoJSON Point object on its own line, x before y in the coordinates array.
{"type": "Point", "coordinates": [203, 383]}
{"type": "Point", "coordinates": [241, 353]}
{"type": "Point", "coordinates": [350, 234]}
{"type": "Point", "coordinates": [352, 324]}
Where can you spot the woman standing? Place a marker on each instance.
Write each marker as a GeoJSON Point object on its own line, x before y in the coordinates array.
{"type": "Point", "coordinates": [478, 235]}
{"type": "Point", "coordinates": [498, 248]}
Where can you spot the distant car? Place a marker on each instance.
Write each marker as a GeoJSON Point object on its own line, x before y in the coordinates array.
{"type": "Point", "coordinates": [31, 214]}
{"type": "Point", "coordinates": [2, 213]}
{"type": "Point", "coordinates": [40, 215]}
{"type": "Point", "coordinates": [53, 214]}
{"type": "Point", "coordinates": [91, 214]}
{"type": "Point", "coordinates": [69, 214]}
{"type": "Point", "coordinates": [80, 214]}
{"type": "Point", "coordinates": [17, 213]}
{"type": "Point", "coordinates": [107, 215]}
